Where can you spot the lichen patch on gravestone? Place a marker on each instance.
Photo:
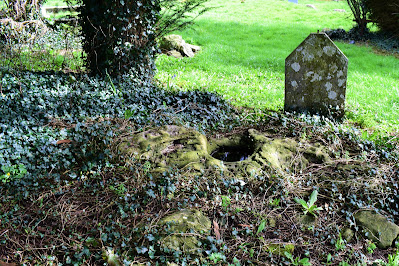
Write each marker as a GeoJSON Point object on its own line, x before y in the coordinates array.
{"type": "Point", "coordinates": [315, 77]}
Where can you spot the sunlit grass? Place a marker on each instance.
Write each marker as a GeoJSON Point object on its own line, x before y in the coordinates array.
{"type": "Point", "coordinates": [58, 3]}
{"type": "Point", "coordinates": [244, 46]}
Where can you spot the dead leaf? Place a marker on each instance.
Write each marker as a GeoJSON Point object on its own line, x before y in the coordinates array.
{"type": "Point", "coordinates": [244, 225]}
{"type": "Point", "coordinates": [216, 230]}
{"type": "Point", "coordinates": [63, 141]}
{"type": "Point", "coordinates": [41, 229]}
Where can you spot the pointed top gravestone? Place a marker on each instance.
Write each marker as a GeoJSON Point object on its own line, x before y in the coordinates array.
{"type": "Point", "coordinates": [315, 77]}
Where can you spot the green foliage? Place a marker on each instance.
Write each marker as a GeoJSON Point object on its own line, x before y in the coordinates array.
{"type": "Point", "coordinates": [217, 257]}
{"type": "Point", "coordinates": [261, 226]}
{"type": "Point", "coordinates": [370, 247]}
{"type": "Point", "coordinates": [119, 36]}
{"type": "Point", "coordinates": [20, 10]}
{"type": "Point", "coordinates": [12, 172]}
{"type": "Point", "coordinates": [226, 202]}
{"type": "Point", "coordinates": [35, 47]}
{"type": "Point", "coordinates": [297, 260]}
{"type": "Point", "coordinates": [393, 259]}
{"type": "Point", "coordinates": [310, 206]}
{"type": "Point", "coordinates": [360, 12]}
{"type": "Point", "coordinates": [83, 105]}
{"type": "Point", "coordinates": [78, 199]}
{"type": "Point", "coordinates": [178, 15]}
{"type": "Point", "coordinates": [274, 202]}
{"type": "Point", "coordinates": [384, 13]}
{"type": "Point", "coordinates": [340, 243]}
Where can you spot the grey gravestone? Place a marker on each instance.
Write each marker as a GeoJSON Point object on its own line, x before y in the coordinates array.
{"type": "Point", "coordinates": [315, 77]}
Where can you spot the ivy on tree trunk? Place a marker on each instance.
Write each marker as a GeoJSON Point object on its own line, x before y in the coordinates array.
{"type": "Point", "coordinates": [119, 36]}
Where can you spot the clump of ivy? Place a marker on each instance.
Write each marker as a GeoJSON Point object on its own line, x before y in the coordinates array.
{"type": "Point", "coordinates": [50, 121]}
{"type": "Point", "coordinates": [119, 36]}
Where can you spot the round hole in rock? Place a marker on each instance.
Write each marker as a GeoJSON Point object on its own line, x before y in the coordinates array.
{"type": "Point", "coordinates": [234, 152]}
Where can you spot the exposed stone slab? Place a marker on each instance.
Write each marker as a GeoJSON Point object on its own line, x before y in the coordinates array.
{"type": "Point", "coordinates": [182, 228]}
{"type": "Point", "coordinates": [377, 227]}
{"type": "Point", "coordinates": [315, 77]}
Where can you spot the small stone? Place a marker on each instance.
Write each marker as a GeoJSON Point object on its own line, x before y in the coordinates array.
{"type": "Point", "coordinates": [170, 42]}
{"type": "Point", "coordinates": [311, 6]}
{"type": "Point", "coordinates": [347, 234]}
{"type": "Point", "coordinates": [340, 10]}
{"type": "Point", "coordinates": [377, 227]}
{"type": "Point", "coordinates": [307, 220]}
{"type": "Point", "coordinates": [272, 222]}
{"type": "Point", "coordinates": [182, 228]}
{"type": "Point", "coordinates": [173, 44]}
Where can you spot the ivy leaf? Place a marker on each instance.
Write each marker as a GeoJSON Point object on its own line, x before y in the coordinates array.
{"type": "Point", "coordinates": [141, 250]}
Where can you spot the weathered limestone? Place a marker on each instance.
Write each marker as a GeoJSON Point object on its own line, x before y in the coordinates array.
{"type": "Point", "coordinates": [167, 146]}
{"type": "Point", "coordinates": [377, 227]}
{"type": "Point", "coordinates": [174, 45]}
{"type": "Point", "coordinates": [315, 77]}
{"type": "Point", "coordinates": [182, 228]}
{"type": "Point", "coordinates": [174, 146]}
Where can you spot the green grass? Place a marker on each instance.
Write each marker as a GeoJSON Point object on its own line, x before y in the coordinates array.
{"type": "Point", "coordinates": [244, 46]}
{"type": "Point", "coordinates": [57, 3]}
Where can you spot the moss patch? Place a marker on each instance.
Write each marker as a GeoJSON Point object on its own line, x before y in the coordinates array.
{"type": "Point", "coordinates": [182, 229]}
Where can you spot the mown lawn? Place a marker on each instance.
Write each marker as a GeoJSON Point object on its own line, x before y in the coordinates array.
{"type": "Point", "coordinates": [244, 46]}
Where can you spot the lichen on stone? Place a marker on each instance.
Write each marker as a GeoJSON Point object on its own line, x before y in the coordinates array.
{"type": "Point", "coordinates": [174, 146]}
{"type": "Point", "coordinates": [377, 228]}
{"type": "Point", "coordinates": [182, 228]}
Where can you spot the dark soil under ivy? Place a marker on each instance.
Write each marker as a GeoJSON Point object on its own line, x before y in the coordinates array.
{"type": "Point", "coordinates": [77, 200]}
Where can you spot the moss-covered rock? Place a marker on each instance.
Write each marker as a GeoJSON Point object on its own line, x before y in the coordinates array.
{"type": "Point", "coordinates": [287, 153]}
{"type": "Point", "coordinates": [182, 228]}
{"type": "Point", "coordinates": [307, 220]}
{"type": "Point", "coordinates": [377, 228]}
{"type": "Point", "coordinates": [166, 146]}
{"type": "Point", "coordinates": [347, 234]}
{"type": "Point", "coordinates": [181, 147]}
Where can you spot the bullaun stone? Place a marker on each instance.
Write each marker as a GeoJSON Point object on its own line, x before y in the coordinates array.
{"type": "Point", "coordinates": [379, 229]}
{"type": "Point", "coordinates": [315, 77]}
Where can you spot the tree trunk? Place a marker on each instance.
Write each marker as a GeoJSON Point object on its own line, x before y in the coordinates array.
{"type": "Point", "coordinates": [119, 36]}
